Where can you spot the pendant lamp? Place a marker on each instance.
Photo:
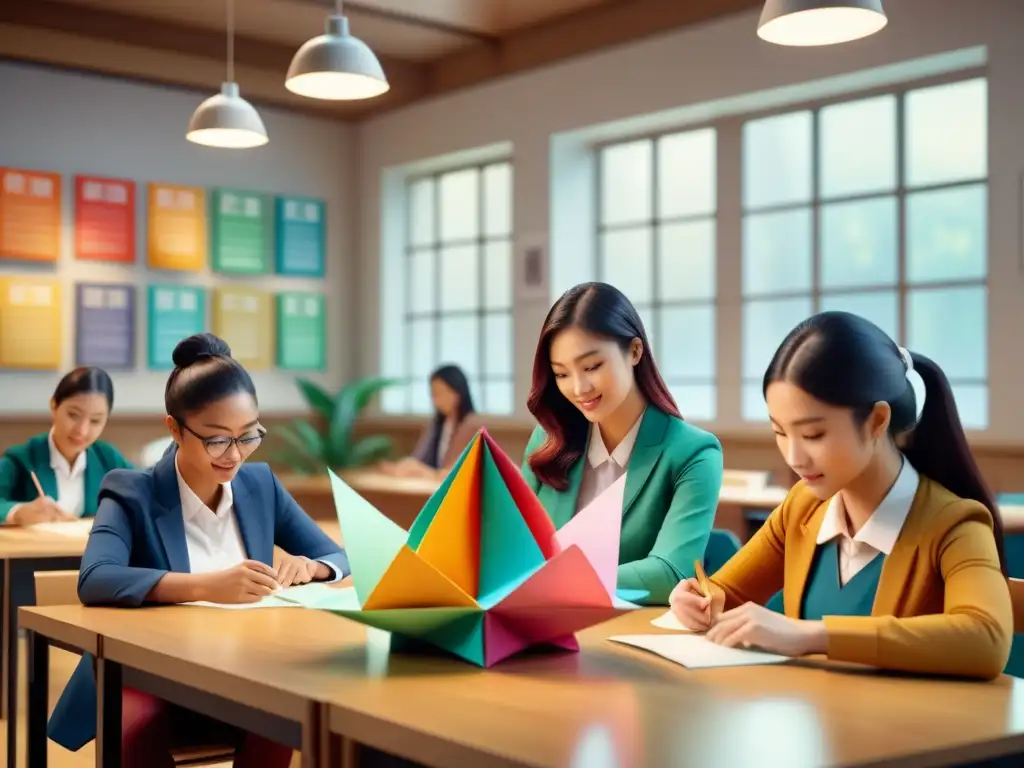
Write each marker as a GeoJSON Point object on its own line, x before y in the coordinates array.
{"type": "Point", "coordinates": [819, 22]}
{"type": "Point", "coordinates": [336, 66]}
{"type": "Point", "coordinates": [227, 120]}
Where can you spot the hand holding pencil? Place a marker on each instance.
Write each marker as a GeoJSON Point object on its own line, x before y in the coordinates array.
{"type": "Point", "coordinates": [693, 602]}
{"type": "Point", "coordinates": [42, 509]}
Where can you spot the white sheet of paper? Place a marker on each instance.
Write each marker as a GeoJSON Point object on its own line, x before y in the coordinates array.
{"type": "Point", "coordinates": [697, 652]}
{"type": "Point", "coordinates": [78, 529]}
{"type": "Point", "coordinates": [667, 620]}
{"type": "Point", "coordinates": [277, 600]}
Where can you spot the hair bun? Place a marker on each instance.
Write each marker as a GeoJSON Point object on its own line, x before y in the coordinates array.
{"type": "Point", "coordinates": [193, 349]}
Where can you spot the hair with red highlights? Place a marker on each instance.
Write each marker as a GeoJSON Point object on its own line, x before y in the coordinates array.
{"type": "Point", "coordinates": [603, 310]}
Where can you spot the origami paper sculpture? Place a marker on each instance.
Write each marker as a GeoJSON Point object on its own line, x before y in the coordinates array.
{"type": "Point", "coordinates": [482, 572]}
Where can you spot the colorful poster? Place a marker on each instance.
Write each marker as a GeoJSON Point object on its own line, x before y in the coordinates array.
{"type": "Point", "coordinates": [301, 236]}
{"type": "Point", "coordinates": [105, 325]}
{"type": "Point", "coordinates": [242, 232]}
{"type": "Point", "coordinates": [244, 318]}
{"type": "Point", "coordinates": [175, 312]}
{"type": "Point", "coordinates": [30, 215]}
{"type": "Point", "coordinates": [30, 323]}
{"type": "Point", "coordinates": [104, 219]}
{"type": "Point", "coordinates": [301, 332]}
{"type": "Point", "coordinates": [177, 227]}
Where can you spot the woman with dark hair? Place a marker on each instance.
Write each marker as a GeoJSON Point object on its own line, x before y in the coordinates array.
{"type": "Point", "coordinates": [201, 525]}
{"type": "Point", "coordinates": [450, 430]}
{"type": "Point", "coordinates": [889, 549]}
{"type": "Point", "coordinates": [604, 412]}
{"type": "Point", "coordinates": [69, 461]}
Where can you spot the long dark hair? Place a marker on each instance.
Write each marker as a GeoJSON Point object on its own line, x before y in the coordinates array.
{"type": "Point", "coordinates": [844, 360]}
{"type": "Point", "coordinates": [603, 310]}
{"type": "Point", "coordinates": [85, 381]}
{"type": "Point", "coordinates": [455, 379]}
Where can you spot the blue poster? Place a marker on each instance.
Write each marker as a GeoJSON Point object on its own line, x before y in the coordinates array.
{"type": "Point", "coordinates": [301, 236]}
{"type": "Point", "coordinates": [105, 325]}
{"type": "Point", "coordinates": [175, 312]}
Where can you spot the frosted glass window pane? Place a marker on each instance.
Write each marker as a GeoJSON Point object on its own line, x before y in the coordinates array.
{"type": "Point", "coordinates": [421, 281]}
{"type": "Point", "coordinates": [626, 262]}
{"type": "Point", "coordinates": [421, 351]}
{"type": "Point", "coordinates": [753, 405]}
{"type": "Point", "coordinates": [859, 243]}
{"type": "Point", "coordinates": [765, 324]}
{"type": "Point", "coordinates": [949, 325]}
{"type": "Point", "coordinates": [498, 199]}
{"type": "Point", "coordinates": [460, 278]}
{"type": "Point", "coordinates": [626, 182]}
{"type": "Point", "coordinates": [947, 133]}
{"type": "Point", "coordinates": [421, 212]}
{"type": "Point", "coordinates": [947, 234]}
{"type": "Point", "coordinates": [777, 160]}
{"type": "Point", "coordinates": [880, 307]}
{"type": "Point", "coordinates": [687, 173]}
{"type": "Point", "coordinates": [972, 404]}
{"type": "Point", "coordinates": [686, 260]}
{"type": "Point", "coordinates": [395, 399]}
{"type": "Point", "coordinates": [498, 397]}
{"type": "Point", "coordinates": [460, 205]}
{"type": "Point", "coordinates": [697, 402]}
{"type": "Point", "coordinates": [497, 343]}
{"type": "Point", "coordinates": [419, 397]}
{"type": "Point", "coordinates": [857, 147]}
{"type": "Point", "coordinates": [687, 342]}
{"type": "Point", "coordinates": [777, 252]}
{"type": "Point", "coordinates": [498, 275]}
{"type": "Point", "coordinates": [460, 343]}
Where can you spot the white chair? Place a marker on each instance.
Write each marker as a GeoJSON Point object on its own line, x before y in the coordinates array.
{"type": "Point", "coordinates": [152, 452]}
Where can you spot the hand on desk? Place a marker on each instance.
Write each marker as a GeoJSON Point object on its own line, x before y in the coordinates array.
{"type": "Point", "coordinates": [407, 467]}
{"type": "Point", "coordinates": [295, 569]}
{"type": "Point", "coordinates": [40, 510]}
{"type": "Point", "coordinates": [247, 582]}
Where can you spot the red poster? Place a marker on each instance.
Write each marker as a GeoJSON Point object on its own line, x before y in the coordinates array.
{"type": "Point", "coordinates": [104, 219]}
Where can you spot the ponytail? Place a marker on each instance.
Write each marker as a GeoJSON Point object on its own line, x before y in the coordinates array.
{"type": "Point", "coordinates": [937, 447]}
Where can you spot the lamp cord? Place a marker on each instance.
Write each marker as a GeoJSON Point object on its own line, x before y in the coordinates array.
{"type": "Point", "coordinates": [231, 41]}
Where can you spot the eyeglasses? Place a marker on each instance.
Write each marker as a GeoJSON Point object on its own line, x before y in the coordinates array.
{"type": "Point", "coordinates": [219, 445]}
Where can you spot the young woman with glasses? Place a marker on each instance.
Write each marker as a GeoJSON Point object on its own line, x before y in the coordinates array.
{"type": "Point", "coordinates": [200, 525]}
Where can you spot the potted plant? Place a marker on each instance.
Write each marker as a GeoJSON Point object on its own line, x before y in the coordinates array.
{"type": "Point", "coordinates": [311, 446]}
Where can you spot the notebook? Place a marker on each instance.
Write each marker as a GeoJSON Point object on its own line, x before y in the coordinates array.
{"type": "Point", "coordinates": [697, 652]}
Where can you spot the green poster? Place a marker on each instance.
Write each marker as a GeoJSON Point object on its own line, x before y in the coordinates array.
{"type": "Point", "coordinates": [241, 231]}
{"type": "Point", "coordinates": [301, 332]}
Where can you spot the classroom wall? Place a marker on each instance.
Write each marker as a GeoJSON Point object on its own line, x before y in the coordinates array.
{"type": "Point", "coordinates": [697, 65]}
{"type": "Point", "coordinates": [66, 122]}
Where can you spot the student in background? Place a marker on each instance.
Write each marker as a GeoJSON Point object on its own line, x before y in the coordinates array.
{"type": "Point", "coordinates": [200, 525]}
{"type": "Point", "coordinates": [604, 411]}
{"type": "Point", "coordinates": [889, 550]}
{"type": "Point", "coordinates": [69, 461]}
{"type": "Point", "coordinates": [449, 432]}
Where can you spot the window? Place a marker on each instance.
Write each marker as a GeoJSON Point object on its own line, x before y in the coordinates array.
{"type": "Point", "coordinates": [458, 279]}
{"type": "Point", "coordinates": [656, 243]}
{"type": "Point", "coordinates": [876, 206]}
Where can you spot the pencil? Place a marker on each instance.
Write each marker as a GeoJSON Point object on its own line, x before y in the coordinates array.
{"type": "Point", "coordinates": [702, 577]}
{"type": "Point", "coordinates": [38, 486]}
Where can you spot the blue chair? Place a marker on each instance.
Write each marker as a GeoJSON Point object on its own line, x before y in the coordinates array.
{"type": "Point", "coordinates": [722, 545]}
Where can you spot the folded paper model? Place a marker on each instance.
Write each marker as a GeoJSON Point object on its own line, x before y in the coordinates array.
{"type": "Point", "coordinates": [482, 572]}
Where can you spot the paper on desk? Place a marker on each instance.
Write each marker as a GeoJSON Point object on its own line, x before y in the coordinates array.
{"type": "Point", "coordinates": [667, 620]}
{"type": "Point", "coordinates": [78, 529]}
{"type": "Point", "coordinates": [304, 595]}
{"type": "Point", "coordinates": [697, 652]}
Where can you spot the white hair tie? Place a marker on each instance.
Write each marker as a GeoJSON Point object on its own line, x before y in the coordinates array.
{"type": "Point", "coordinates": [908, 361]}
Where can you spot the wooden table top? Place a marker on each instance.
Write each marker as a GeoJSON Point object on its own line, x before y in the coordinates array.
{"type": "Point", "coordinates": [554, 710]}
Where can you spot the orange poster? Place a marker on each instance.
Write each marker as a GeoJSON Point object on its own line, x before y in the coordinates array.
{"type": "Point", "coordinates": [30, 323]}
{"type": "Point", "coordinates": [30, 215]}
{"type": "Point", "coordinates": [177, 227]}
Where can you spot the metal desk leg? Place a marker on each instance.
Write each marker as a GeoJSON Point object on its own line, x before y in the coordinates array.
{"type": "Point", "coordinates": [108, 714]}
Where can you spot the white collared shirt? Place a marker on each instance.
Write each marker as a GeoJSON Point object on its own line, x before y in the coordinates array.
{"type": "Point", "coordinates": [213, 538]}
{"type": "Point", "coordinates": [70, 480]}
{"type": "Point", "coordinates": [603, 468]}
{"type": "Point", "coordinates": [878, 535]}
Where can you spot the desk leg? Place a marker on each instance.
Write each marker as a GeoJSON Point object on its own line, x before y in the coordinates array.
{"type": "Point", "coordinates": [38, 697]}
{"type": "Point", "coordinates": [108, 714]}
{"type": "Point", "coordinates": [5, 631]}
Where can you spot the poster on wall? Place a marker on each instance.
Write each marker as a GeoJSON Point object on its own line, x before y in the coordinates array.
{"type": "Point", "coordinates": [175, 311]}
{"type": "Point", "coordinates": [105, 325]}
{"type": "Point", "coordinates": [244, 318]}
{"type": "Point", "coordinates": [301, 237]}
{"type": "Point", "coordinates": [104, 219]}
{"type": "Point", "coordinates": [241, 232]}
{"type": "Point", "coordinates": [177, 227]}
{"type": "Point", "coordinates": [301, 332]}
{"type": "Point", "coordinates": [30, 323]}
{"type": "Point", "coordinates": [30, 215]}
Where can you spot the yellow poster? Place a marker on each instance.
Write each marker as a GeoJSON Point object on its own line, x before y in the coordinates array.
{"type": "Point", "coordinates": [244, 318]}
{"type": "Point", "coordinates": [177, 227]}
{"type": "Point", "coordinates": [30, 323]}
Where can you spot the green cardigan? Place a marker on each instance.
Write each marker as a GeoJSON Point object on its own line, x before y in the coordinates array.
{"type": "Point", "coordinates": [19, 461]}
{"type": "Point", "coordinates": [673, 479]}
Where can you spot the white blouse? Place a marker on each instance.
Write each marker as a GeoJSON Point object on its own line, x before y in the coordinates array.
{"type": "Point", "coordinates": [603, 468]}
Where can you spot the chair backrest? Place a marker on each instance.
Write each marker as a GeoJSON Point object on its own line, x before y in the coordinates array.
{"type": "Point", "coordinates": [154, 451]}
{"type": "Point", "coordinates": [722, 545]}
{"type": "Point", "coordinates": [56, 587]}
{"type": "Point", "coordinates": [746, 479]}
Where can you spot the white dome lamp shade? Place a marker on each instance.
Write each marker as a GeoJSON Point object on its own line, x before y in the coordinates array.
{"type": "Point", "coordinates": [226, 120]}
{"type": "Point", "coordinates": [336, 66]}
{"type": "Point", "coordinates": [819, 22]}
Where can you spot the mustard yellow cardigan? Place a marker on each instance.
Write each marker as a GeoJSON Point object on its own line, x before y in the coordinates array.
{"type": "Point", "coordinates": [942, 606]}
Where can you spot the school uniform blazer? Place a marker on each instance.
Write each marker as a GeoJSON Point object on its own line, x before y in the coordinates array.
{"type": "Point", "coordinates": [139, 536]}
{"type": "Point", "coordinates": [673, 479]}
{"type": "Point", "coordinates": [20, 461]}
{"type": "Point", "coordinates": [942, 604]}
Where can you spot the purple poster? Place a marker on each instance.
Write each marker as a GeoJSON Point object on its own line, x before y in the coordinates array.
{"type": "Point", "coordinates": [105, 325]}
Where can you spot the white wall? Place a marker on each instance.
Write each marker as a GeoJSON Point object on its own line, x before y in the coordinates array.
{"type": "Point", "coordinates": [693, 66]}
{"type": "Point", "coordinates": [52, 120]}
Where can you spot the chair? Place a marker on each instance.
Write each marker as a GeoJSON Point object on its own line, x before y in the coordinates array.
{"type": "Point", "coordinates": [61, 588]}
{"type": "Point", "coordinates": [722, 545]}
{"type": "Point", "coordinates": [152, 452]}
